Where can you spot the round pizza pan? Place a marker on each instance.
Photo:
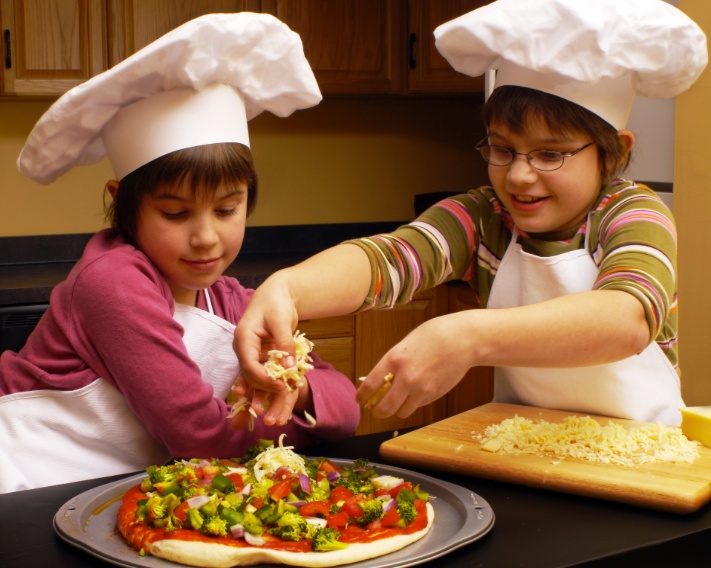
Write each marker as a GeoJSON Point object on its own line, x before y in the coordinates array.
{"type": "Point", "coordinates": [88, 521]}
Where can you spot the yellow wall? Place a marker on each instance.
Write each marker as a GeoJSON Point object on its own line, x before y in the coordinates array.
{"type": "Point", "coordinates": [347, 160]}
{"type": "Point", "coordinates": [692, 209]}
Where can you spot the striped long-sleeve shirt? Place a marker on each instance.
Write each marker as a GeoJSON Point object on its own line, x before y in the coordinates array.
{"type": "Point", "coordinates": [632, 242]}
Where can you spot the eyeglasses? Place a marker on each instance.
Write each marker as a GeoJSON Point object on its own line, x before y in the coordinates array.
{"type": "Point", "coordinates": [543, 160]}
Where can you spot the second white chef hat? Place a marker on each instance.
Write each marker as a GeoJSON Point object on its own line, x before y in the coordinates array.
{"type": "Point", "coordinates": [599, 54]}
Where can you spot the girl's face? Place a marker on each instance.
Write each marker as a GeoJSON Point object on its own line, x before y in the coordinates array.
{"type": "Point", "coordinates": [545, 201]}
{"type": "Point", "coordinates": [192, 240]}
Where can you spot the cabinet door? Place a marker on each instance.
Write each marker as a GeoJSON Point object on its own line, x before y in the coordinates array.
{"type": "Point", "coordinates": [51, 46]}
{"type": "Point", "coordinates": [428, 71]}
{"type": "Point", "coordinates": [353, 46]}
{"type": "Point", "coordinates": [133, 24]}
{"type": "Point", "coordinates": [477, 386]}
{"type": "Point", "coordinates": [334, 341]}
{"type": "Point", "coordinates": [377, 332]}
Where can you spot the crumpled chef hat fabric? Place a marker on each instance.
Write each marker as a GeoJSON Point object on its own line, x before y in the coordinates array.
{"type": "Point", "coordinates": [198, 84]}
{"type": "Point", "coordinates": [596, 53]}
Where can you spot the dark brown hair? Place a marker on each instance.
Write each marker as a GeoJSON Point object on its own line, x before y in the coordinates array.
{"type": "Point", "coordinates": [204, 168]}
{"type": "Point", "coordinates": [517, 107]}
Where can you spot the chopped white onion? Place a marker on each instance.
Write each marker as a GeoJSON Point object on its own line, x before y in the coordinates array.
{"type": "Point", "coordinates": [252, 539]}
{"type": "Point", "coordinates": [316, 521]}
{"type": "Point", "coordinates": [198, 501]}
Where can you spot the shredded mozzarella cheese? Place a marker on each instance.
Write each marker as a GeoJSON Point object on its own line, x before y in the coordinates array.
{"type": "Point", "coordinates": [275, 457]}
{"type": "Point", "coordinates": [584, 438]}
{"type": "Point", "coordinates": [293, 377]}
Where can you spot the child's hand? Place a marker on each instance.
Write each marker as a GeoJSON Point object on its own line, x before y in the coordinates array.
{"type": "Point", "coordinates": [425, 365]}
{"type": "Point", "coordinates": [267, 323]}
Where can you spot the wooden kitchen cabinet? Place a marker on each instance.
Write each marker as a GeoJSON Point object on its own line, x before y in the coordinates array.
{"type": "Point", "coordinates": [378, 46]}
{"type": "Point", "coordinates": [427, 70]}
{"type": "Point", "coordinates": [50, 46]}
{"type": "Point", "coordinates": [353, 46]}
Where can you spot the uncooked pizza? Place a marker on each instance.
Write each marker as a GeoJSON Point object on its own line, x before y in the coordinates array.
{"type": "Point", "coordinates": [272, 506]}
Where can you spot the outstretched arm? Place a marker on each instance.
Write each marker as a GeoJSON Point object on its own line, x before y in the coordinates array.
{"type": "Point", "coordinates": [570, 331]}
{"type": "Point", "coordinates": [333, 282]}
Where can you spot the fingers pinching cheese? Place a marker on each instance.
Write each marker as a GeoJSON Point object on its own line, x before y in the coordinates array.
{"type": "Point", "coordinates": [380, 393]}
{"type": "Point", "coordinates": [293, 376]}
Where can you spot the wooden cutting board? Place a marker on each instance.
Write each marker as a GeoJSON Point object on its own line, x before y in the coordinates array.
{"type": "Point", "coordinates": [449, 445]}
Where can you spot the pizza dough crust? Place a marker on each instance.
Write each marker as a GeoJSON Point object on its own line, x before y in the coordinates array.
{"type": "Point", "coordinates": [208, 555]}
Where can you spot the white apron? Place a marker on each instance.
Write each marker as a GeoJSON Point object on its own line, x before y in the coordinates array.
{"type": "Point", "coordinates": [642, 387]}
{"type": "Point", "coordinates": [48, 437]}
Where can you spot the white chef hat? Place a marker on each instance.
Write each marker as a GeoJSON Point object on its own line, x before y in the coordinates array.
{"type": "Point", "coordinates": [596, 53]}
{"type": "Point", "coordinates": [198, 84]}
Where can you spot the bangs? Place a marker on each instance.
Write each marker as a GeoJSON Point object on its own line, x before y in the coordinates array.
{"type": "Point", "coordinates": [204, 169]}
{"type": "Point", "coordinates": [520, 108]}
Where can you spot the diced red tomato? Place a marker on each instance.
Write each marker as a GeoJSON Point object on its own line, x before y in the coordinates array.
{"type": "Point", "coordinates": [257, 502]}
{"type": "Point", "coordinates": [352, 509]}
{"type": "Point", "coordinates": [338, 520]}
{"type": "Point", "coordinates": [327, 466]}
{"type": "Point", "coordinates": [210, 471]}
{"type": "Point", "coordinates": [395, 490]}
{"type": "Point", "coordinates": [314, 508]}
{"type": "Point", "coordinates": [181, 512]}
{"type": "Point", "coordinates": [391, 518]}
{"type": "Point", "coordinates": [280, 490]}
{"type": "Point", "coordinates": [420, 506]}
{"type": "Point", "coordinates": [374, 525]}
{"type": "Point", "coordinates": [281, 473]}
{"type": "Point", "coordinates": [340, 493]}
{"type": "Point", "coordinates": [236, 478]}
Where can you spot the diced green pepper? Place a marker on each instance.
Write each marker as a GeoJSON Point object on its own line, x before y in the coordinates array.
{"type": "Point", "coordinates": [222, 483]}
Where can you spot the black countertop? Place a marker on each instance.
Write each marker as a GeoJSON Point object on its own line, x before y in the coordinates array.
{"type": "Point", "coordinates": [533, 528]}
{"type": "Point", "coordinates": [31, 266]}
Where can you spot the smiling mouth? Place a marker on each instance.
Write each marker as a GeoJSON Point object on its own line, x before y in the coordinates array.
{"type": "Point", "coordinates": [527, 198]}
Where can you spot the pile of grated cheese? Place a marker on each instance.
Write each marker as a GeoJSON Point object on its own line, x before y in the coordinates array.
{"type": "Point", "coordinates": [275, 457]}
{"type": "Point", "coordinates": [584, 438]}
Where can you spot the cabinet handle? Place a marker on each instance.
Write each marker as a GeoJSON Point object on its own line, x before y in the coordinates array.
{"type": "Point", "coordinates": [413, 41]}
{"type": "Point", "coordinates": [8, 52]}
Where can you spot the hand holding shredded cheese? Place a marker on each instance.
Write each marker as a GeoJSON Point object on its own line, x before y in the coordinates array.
{"type": "Point", "coordinates": [293, 377]}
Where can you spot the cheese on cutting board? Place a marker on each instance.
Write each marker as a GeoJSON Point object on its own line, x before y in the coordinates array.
{"type": "Point", "coordinates": [696, 424]}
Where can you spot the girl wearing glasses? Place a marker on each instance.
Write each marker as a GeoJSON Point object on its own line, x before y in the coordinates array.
{"type": "Point", "coordinates": [575, 265]}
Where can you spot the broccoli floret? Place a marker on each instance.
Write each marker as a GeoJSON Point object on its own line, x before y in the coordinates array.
{"type": "Point", "coordinates": [326, 539]}
{"type": "Point", "coordinates": [291, 526]}
{"type": "Point", "coordinates": [214, 526]}
{"type": "Point", "coordinates": [349, 482]}
{"type": "Point", "coordinates": [311, 530]}
{"type": "Point", "coordinates": [361, 463]}
{"type": "Point", "coordinates": [157, 508]}
{"type": "Point", "coordinates": [161, 473]}
{"type": "Point", "coordinates": [195, 519]}
{"type": "Point", "coordinates": [372, 511]}
{"type": "Point", "coordinates": [407, 512]}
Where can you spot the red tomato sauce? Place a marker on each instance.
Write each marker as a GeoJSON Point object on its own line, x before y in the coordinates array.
{"type": "Point", "coordinates": [138, 534]}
